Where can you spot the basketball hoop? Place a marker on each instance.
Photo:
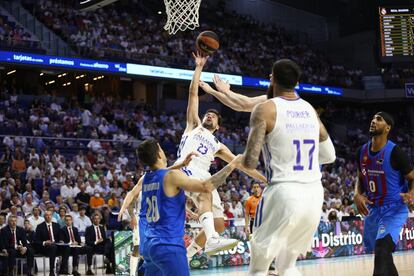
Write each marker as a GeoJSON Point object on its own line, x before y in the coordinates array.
{"type": "Point", "coordinates": [181, 15]}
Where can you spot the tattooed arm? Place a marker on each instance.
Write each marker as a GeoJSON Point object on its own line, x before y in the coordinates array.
{"type": "Point", "coordinates": [258, 128]}
{"type": "Point", "coordinates": [176, 180]}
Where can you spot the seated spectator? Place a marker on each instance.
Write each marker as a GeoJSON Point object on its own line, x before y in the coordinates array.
{"type": "Point", "coordinates": [28, 205]}
{"type": "Point", "coordinates": [82, 221]}
{"type": "Point", "coordinates": [229, 215]}
{"type": "Point", "coordinates": [2, 220]}
{"type": "Point", "coordinates": [18, 164]}
{"type": "Point", "coordinates": [14, 241]}
{"type": "Point", "coordinates": [67, 191]}
{"type": "Point", "coordinates": [62, 214]}
{"type": "Point", "coordinates": [97, 202]}
{"type": "Point", "coordinates": [95, 237]}
{"type": "Point", "coordinates": [70, 235]}
{"type": "Point", "coordinates": [46, 237]}
{"type": "Point", "coordinates": [19, 216]}
{"type": "Point", "coordinates": [30, 234]}
{"type": "Point", "coordinates": [33, 172]}
{"type": "Point", "coordinates": [113, 201]}
{"type": "Point", "coordinates": [35, 219]}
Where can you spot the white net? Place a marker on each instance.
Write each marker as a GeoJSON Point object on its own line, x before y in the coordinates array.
{"type": "Point", "coordinates": [181, 15]}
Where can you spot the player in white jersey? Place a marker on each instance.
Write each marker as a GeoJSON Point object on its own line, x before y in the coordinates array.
{"type": "Point", "coordinates": [198, 136]}
{"type": "Point", "coordinates": [293, 142]}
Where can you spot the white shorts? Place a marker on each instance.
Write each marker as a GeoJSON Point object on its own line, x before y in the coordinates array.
{"type": "Point", "coordinates": [287, 218]}
{"type": "Point", "coordinates": [217, 208]}
{"type": "Point", "coordinates": [135, 233]}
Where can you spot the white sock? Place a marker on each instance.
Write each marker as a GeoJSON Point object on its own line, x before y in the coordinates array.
{"type": "Point", "coordinates": [207, 221]}
{"type": "Point", "coordinates": [133, 264]}
{"type": "Point", "coordinates": [192, 249]}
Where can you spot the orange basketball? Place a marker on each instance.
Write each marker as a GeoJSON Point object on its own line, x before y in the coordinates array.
{"type": "Point", "coordinates": [207, 43]}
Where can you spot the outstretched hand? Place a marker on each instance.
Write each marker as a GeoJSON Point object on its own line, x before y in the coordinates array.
{"type": "Point", "coordinates": [221, 85]}
{"type": "Point", "coordinates": [188, 158]}
{"type": "Point", "coordinates": [205, 86]}
{"type": "Point", "coordinates": [199, 59]}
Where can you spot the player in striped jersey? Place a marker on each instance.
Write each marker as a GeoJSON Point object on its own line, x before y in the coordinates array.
{"type": "Point", "coordinates": [385, 183]}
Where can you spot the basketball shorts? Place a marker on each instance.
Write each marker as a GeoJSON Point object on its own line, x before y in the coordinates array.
{"type": "Point", "coordinates": [217, 208]}
{"type": "Point", "coordinates": [286, 220]}
{"type": "Point", "coordinates": [384, 220]}
{"type": "Point", "coordinates": [165, 257]}
{"type": "Point", "coordinates": [135, 233]}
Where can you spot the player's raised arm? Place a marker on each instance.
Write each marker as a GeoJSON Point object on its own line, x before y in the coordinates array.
{"type": "Point", "coordinates": [133, 194]}
{"type": "Point", "coordinates": [229, 98]}
{"type": "Point", "coordinates": [225, 154]}
{"type": "Point", "coordinates": [193, 120]}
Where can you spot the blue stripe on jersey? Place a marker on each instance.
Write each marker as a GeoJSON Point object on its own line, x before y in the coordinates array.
{"type": "Point", "coordinates": [268, 157]}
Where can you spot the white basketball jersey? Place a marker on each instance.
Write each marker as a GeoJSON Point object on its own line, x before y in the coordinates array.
{"type": "Point", "coordinates": [202, 141]}
{"type": "Point", "coordinates": [291, 150]}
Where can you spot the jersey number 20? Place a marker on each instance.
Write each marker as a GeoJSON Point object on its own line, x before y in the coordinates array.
{"type": "Point", "coordinates": [153, 214]}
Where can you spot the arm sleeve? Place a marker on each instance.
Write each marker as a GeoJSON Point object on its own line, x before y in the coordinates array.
{"type": "Point", "coordinates": [400, 161]}
{"type": "Point", "coordinates": [326, 152]}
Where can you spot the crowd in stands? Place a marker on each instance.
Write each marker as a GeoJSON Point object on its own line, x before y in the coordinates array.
{"type": "Point", "coordinates": [15, 36]}
{"type": "Point", "coordinates": [79, 158]}
{"type": "Point", "coordinates": [398, 77]}
{"type": "Point", "coordinates": [127, 30]}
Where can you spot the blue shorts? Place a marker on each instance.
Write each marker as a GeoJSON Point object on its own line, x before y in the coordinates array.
{"type": "Point", "coordinates": [163, 258]}
{"type": "Point", "coordinates": [384, 220]}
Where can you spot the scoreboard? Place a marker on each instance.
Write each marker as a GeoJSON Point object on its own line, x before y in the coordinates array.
{"type": "Point", "coordinates": [396, 34]}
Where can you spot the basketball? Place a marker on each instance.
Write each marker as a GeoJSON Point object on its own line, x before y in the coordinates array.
{"type": "Point", "coordinates": [207, 42]}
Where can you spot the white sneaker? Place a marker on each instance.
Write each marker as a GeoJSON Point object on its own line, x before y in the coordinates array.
{"type": "Point", "coordinates": [217, 244]}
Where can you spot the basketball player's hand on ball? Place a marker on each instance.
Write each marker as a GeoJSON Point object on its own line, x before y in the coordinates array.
{"type": "Point", "coordinates": [199, 59]}
{"type": "Point", "coordinates": [221, 85]}
{"type": "Point", "coordinates": [408, 198]}
{"type": "Point", "coordinates": [361, 204]}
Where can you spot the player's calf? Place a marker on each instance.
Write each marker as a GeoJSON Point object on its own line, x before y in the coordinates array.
{"type": "Point", "coordinates": [383, 263]}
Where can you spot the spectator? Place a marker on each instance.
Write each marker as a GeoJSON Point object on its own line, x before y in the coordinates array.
{"type": "Point", "coordinates": [46, 237]}
{"type": "Point", "coordinates": [35, 219]}
{"type": "Point", "coordinates": [96, 238]}
{"type": "Point", "coordinates": [96, 201]}
{"type": "Point", "coordinates": [70, 235]}
{"type": "Point", "coordinates": [14, 239]}
{"type": "Point", "coordinates": [82, 222]}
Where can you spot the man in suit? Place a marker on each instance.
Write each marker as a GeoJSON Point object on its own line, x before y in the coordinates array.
{"type": "Point", "coordinates": [14, 240]}
{"type": "Point", "coordinates": [95, 237]}
{"type": "Point", "coordinates": [70, 235]}
{"type": "Point", "coordinates": [46, 237]}
{"type": "Point", "coordinates": [3, 258]}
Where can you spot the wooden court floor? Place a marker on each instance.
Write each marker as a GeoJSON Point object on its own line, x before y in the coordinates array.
{"type": "Point", "coordinates": [342, 266]}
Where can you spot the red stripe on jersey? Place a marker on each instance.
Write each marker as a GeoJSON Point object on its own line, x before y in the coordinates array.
{"type": "Point", "coordinates": [383, 182]}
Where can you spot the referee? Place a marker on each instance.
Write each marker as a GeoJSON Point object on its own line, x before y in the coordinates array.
{"type": "Point", "coordinates": [250, 208]}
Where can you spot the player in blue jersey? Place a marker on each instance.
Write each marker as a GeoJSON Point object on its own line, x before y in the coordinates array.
{"type": "Point", "coordinates": [162, 215]}
{"type": "Point", "coordinates": [384, 187]}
